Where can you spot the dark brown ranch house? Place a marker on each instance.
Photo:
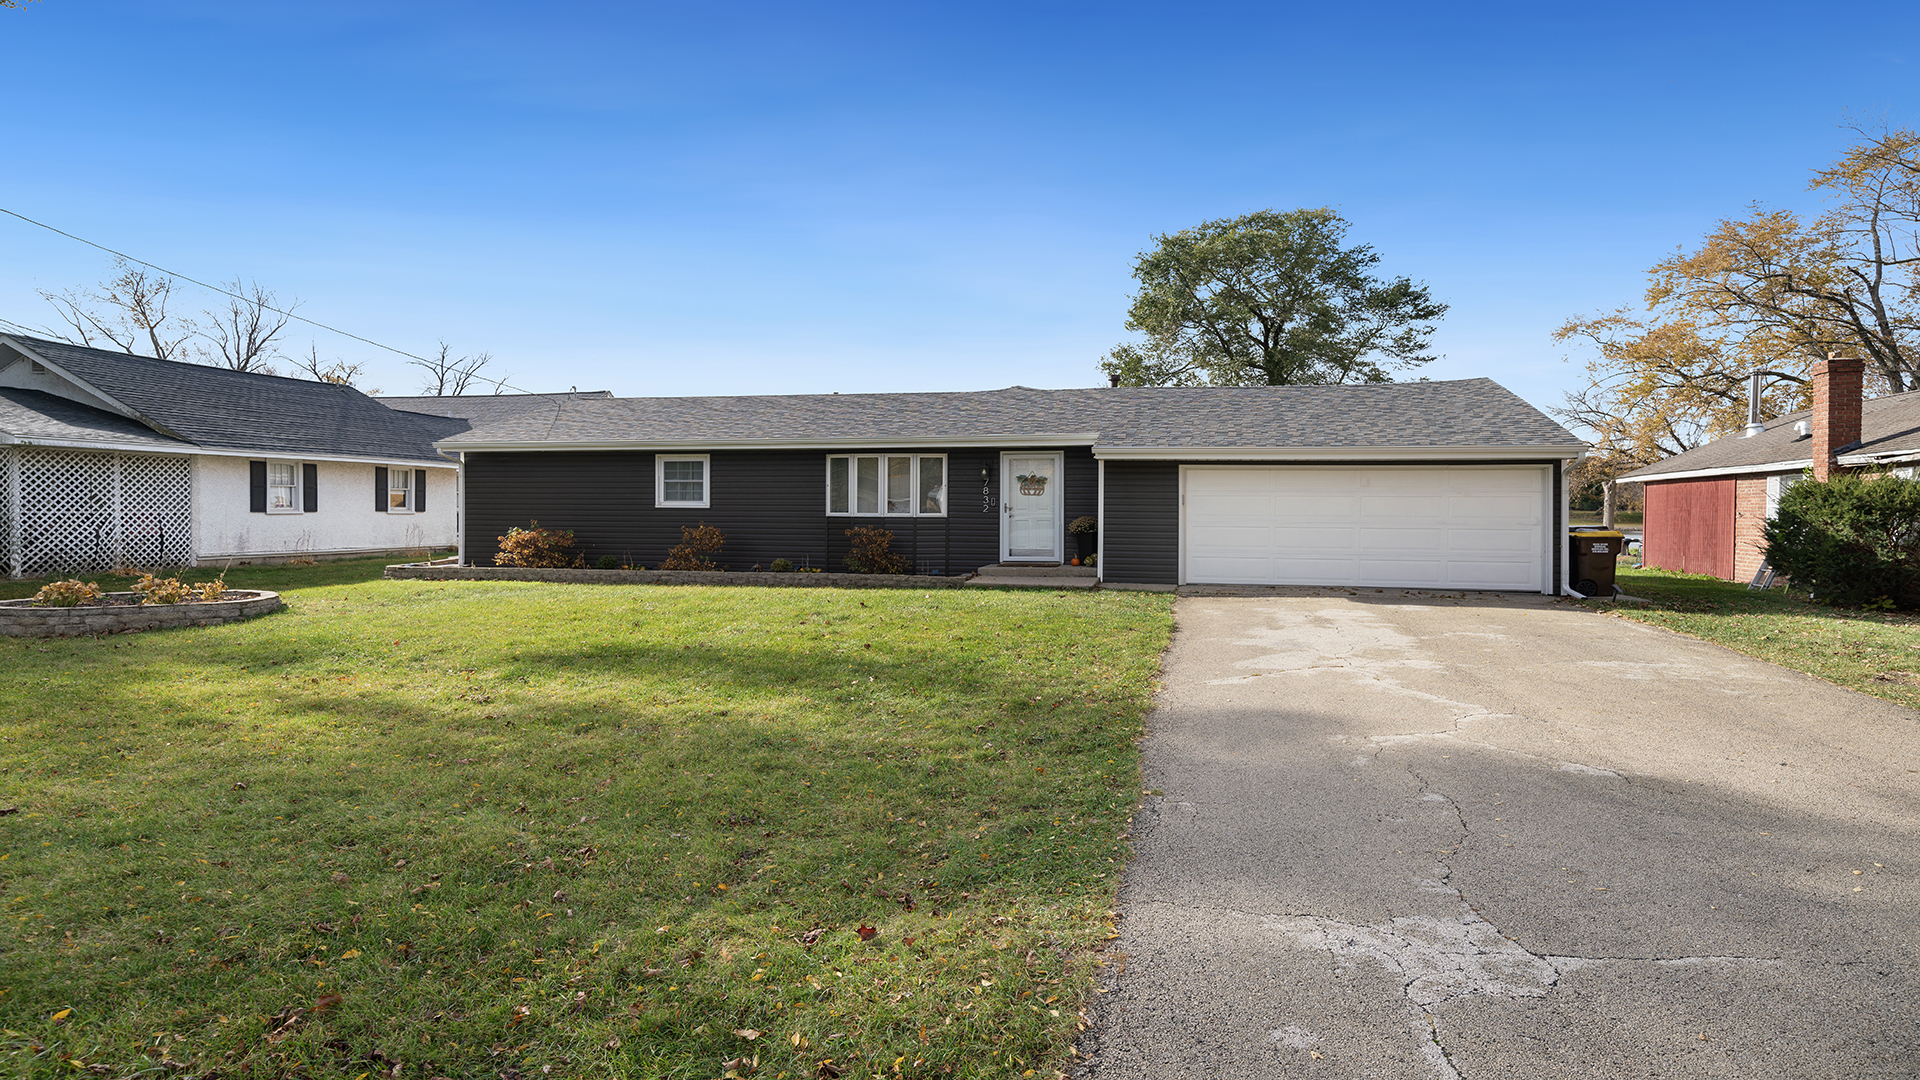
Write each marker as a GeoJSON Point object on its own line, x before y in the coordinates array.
{"type": "Point", "coordinates": [1454, 485]}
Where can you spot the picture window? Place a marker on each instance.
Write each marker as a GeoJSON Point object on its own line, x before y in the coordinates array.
{"type": "Point", "coordinates": [887, 485]}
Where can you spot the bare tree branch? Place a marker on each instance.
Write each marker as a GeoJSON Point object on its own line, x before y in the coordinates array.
{"type": "Point", "coordinates": [450, 376]}
{"type": "Point", "coordinates": [244, 334]}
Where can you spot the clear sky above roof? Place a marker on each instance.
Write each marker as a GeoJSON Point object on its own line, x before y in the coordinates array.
{"type": "Point", "coordinates": [771, 198]}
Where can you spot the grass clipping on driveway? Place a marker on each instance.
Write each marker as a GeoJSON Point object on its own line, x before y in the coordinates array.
{"type": "Point", "coordinates": [411, 829]}
{"type": "Point", "coordinates": [1874, 652]}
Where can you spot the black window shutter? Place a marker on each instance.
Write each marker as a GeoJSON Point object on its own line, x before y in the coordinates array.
{"type": "Point", "coordinates": [380, 488]}
{"type": "Point", "coordinates": [419, 491]}
{"type": "Point", "coordinates": [257, 485]}
{"type": "Point", "coordinates": [310, 482]}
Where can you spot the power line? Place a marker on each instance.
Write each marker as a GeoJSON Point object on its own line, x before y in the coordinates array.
{"type": "Point", "coordinates": [243, 299]}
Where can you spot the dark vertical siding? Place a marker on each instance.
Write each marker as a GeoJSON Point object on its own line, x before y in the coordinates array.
{"type": "Point", "coordinates": [1558, 546]}
{"type": "Point", "coordinates": [770, 503]}
{"type": "Point", "coordinates": [1140, 538]}
{"type": "Point", "coordinates": [1689, 526]}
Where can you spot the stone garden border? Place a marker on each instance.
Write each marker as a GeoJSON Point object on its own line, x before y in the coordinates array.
{"type": "Point", "coordinates": [18, 618]}
{"type": "Point", "coordinates": [447, 572]}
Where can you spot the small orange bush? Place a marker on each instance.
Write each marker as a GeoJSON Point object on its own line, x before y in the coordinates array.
{"type": "Point", "coordinates": [537, 548]}
{"type": "Point", "coordinates": [698, 544]}
{"type": "Point", "coordinates": [872, 552]}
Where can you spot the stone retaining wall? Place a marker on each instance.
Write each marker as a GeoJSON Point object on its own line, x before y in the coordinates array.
{"type": "Point", "coordinates": [433, 572]}
{"type": "Point", "coordinates": [18, 619]}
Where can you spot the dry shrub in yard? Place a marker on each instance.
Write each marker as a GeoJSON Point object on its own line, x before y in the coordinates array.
{"type": "Point", "coordinates": [538, 548]}
{"type": "Point", "coordinates": [698, 544]}
{"type": "Point", "coordinates": [70, 593]}
{"type": "Point", "coordinates": [872, 552]}
{"type": "Point", "coordinates": [169, 590]}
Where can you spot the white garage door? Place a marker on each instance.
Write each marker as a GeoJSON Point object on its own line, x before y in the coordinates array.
{"type": "Point", "coordinates": [1438, 527]}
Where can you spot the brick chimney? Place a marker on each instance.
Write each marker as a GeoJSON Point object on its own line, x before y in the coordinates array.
{"type": "Point", "coordinates": [1836, 410]}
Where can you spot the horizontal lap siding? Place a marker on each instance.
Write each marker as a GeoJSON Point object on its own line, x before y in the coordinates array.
{"type": "Point", "coordinates": [770, 503]}
{"type": "Point", "coordinates": [1689, 526]}
{"type": "Point", "coordinates": [1140, 537]}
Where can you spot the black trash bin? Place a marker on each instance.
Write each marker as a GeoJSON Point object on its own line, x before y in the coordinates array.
{"type": "Point", "coordinates": [1590, 559]}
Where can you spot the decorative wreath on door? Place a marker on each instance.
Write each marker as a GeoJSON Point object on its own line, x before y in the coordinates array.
{"type": "Point", "coordinates": [1032, 484]}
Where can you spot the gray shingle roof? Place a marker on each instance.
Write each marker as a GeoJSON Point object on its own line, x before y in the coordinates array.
{"type": "Point", "coordinates": [1462, 414]}
{"type": "Point", "coordinates": [1889, 427]}
{"type": "Point", "coordinates": [218, 409]}
{"type": "Point", "coordinates": [479, 409]}
{"type": "Point", "coordinates": [35, 416]}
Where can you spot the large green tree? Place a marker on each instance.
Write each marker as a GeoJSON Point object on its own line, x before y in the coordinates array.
{"type": "Point", "coordinates": [1270, 299]}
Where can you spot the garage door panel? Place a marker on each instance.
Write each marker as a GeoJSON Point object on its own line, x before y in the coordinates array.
{"type": "Point", "coordinates": [1517, 508]}
{"type": "Point", "coordinates": [1493, 575]}
{"type": "Point", "coordinates": [1493, 541]}
{"type": "Point", "coordinates": [1415, 527]}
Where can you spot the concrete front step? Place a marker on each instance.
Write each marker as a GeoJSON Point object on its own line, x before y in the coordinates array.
{"type": "Point", "coordinates": [1031, 581]}
{"type": "Point", "coordinates": [1023, 570]}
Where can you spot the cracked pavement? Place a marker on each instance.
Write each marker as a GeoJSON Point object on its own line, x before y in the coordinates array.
{"type": "Point", "coordinates": [1465, 836]}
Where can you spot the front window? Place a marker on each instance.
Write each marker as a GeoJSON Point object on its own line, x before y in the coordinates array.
{"type": "Point", "coordinates": [400, 490]}
{"type": "Point", "coordinates": [887, 485]}
{"type": "Point", "coordinates": [283, 488]}
{"type": "Point", "coordinates": [681, 479]}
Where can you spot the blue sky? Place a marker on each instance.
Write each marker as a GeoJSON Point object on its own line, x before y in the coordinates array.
{"type": "Point", "coordinates": [747, 198]}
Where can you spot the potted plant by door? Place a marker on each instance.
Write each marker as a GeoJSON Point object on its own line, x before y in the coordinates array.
{"type": "Point", "coordinates": [1085, 530]}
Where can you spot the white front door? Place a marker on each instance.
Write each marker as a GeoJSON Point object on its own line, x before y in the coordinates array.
{"type": "Point", "coordinates": [1030, 507]}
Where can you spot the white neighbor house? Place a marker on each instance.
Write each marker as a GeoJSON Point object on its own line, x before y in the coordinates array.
{"type": "Point", "coordinates": [109, 459]}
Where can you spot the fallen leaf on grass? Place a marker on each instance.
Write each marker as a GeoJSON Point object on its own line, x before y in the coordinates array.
{"type": "Point", "coordinates": [61, 1015]}
{"type": "Point", "coordinates": [747, 1033]}
{"type": "Point", "coordinates": [811, 936]}
{"type": "Point", "coordinates": [5, 810]}
{"type": "Point", "coordinates": [867, 932]}
{"type": "Point", "coordinates": [340, 877]}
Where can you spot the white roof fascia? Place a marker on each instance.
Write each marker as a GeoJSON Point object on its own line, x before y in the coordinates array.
{"type": "Point", "coordinates": [1725, 470]}
{"type": "Point", "coordinates": [1340, 453]}
{"type": "Point", "coordinates": [1883, 458]}
{"type": "Point", "coordinates": [678, 445]}
{"type": "Point", "coordinates": [189, 449]}
{"type": "Point", "coordinates": [119, 406]}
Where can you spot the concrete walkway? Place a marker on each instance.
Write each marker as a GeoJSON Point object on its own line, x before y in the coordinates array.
{"type": "Point", "coordinates": [1489, 835]}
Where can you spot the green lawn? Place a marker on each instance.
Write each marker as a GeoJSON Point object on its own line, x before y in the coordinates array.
{"type": "Point", "coordinates": [1591, 518]}
{"type": "Point", "coordinates": [1873, 652]}
{"type": "Point", "coordinates": [495, 829]}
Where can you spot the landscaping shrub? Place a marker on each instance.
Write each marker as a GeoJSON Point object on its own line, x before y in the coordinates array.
{"type": "Point", "coordinates": [170, 590]}
{"type": "Point", "coordinates": [1853, 540]}
{"type": "Point", "coordinates": [698, 544]}
{"type": "Point", "coordinates": [872, 552]}
{"type": "Point", "coordinates": [606, 562]}
{"type": "Point", "coordinates": [209, 591]}
{"type": "Point", "coordinates": [781, 566]}
{"type": "Point", "coordinates": [1085, 524]}
{"type": "Point", "coordinates": [538, 548]}
{"type": "Point", "coordinates": [70, 593]}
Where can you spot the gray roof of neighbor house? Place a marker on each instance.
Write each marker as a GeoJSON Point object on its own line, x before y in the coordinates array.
{"type": "Point", "coordinates": [1889, 430]}
{"type": "Point", "coordinates": [37, 416]}
{"type": "Point", "coordinates": [1470, 416]}
{"type": "Point", "coordinates": [479, 409]}
{"type": "Point", "coordinates": [210, 408]}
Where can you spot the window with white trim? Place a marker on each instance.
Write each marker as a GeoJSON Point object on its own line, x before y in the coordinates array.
{"type": "Point", "coordinates": [681, 479]}
{"type": "Point", "coordinates": [400, 491]}
{"type": "Point", "coordinates": [887, 485]}
{"type": "Point", "coordinates": [283, 487]}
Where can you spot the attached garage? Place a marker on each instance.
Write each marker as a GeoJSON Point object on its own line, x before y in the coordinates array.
{"type": "Point", "coordinates": [1403, 526]}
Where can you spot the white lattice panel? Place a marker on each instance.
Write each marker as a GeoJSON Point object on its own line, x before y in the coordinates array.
{"type": "Point", "coordinates": [156, 499]}
{"type": "Point", "coordinates": [82, 511]}
{"type": "Point", "coordinates": [6, 509]}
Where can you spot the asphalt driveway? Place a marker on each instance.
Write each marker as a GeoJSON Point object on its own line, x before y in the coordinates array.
{"type": "Point", "coordinates": [1482, 835]}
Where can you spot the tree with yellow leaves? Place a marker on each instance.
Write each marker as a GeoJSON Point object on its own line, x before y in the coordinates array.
{"type": "Point", "coordinates": [1765, 292]}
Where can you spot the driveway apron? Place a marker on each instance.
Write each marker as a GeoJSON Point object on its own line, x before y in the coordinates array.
{"type": "Point", "coordinates": [1489, 835]}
